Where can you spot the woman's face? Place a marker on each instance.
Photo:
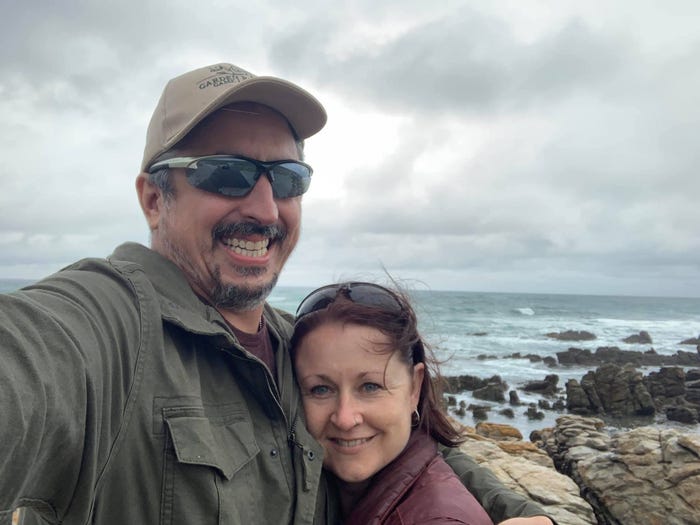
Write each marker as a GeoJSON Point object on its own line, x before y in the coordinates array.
{"type": "Point", "coordinates": [358, 397]}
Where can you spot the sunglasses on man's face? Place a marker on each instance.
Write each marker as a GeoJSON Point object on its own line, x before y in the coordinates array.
{"type": "Point", "coordinates": [235, 176]}
{"type": "Point", "coordinates": [366, 294]}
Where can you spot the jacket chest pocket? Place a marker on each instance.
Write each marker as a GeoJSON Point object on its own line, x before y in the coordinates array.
{"type": "Point", "coordinates": [203, 452]}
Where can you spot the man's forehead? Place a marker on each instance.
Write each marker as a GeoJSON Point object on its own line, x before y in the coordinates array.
{"type": "Point", "coordinates": [236, 128]}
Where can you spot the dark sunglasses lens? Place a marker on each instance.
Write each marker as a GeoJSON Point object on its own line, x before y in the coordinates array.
{"type": "Point", "coordinates": [236, 177]}
{"type": "Point", "coordinates": [371, 295]}
{"type": "Point", "coordinates": [366, 294]}
{"type": "Point", "coordinates": [317, 300]}
{"type": "Point", "coordinates": [290, 179]}
{"type": "Point", "coordinates": [229, 177]}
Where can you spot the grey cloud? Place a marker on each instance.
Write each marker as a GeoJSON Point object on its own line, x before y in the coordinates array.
{"type": "Point", "coordinates": [464, 62]}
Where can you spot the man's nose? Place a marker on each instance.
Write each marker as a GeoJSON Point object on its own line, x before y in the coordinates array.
{"type": "Point", "coordinates": [260, 204]}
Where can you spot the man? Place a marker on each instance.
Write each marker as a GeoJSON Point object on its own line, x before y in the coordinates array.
{"type": "Point", "coordinates": [155, 386]}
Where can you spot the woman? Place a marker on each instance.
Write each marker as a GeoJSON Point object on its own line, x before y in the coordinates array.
{"type": "Point", "coordinates": [369, 398]}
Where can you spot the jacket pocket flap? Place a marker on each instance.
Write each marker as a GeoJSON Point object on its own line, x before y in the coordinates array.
{"type": "Point", "coordinates": [195, 444]}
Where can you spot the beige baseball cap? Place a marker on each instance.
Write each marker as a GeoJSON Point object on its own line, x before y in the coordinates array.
{"type": "Point", "coordinates": [189, 98]}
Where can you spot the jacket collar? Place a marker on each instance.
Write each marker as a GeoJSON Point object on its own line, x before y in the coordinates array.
{"type": "Point", "coordinates": [178, 302]}
{"type": "Point", "coordinates": [391, 483]}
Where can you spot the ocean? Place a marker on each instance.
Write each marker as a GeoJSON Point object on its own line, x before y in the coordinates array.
{"type": "Point", "coordinates": [474, 333]}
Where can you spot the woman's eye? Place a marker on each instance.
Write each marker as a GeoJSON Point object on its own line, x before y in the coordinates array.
{"type": "Point", "coordinates": [371, 388]}
{"type": "Point", "coordinates": [320, 390]}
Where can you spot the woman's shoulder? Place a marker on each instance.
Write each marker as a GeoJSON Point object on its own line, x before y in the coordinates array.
{"type": "Point", "coordinates": [439, 496]}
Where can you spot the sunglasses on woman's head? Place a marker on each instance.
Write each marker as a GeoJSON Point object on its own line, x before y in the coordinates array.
{"type": "Point", "coordinates": [366, 294]}
{"type": "Point", "coordinates": [235, 176]}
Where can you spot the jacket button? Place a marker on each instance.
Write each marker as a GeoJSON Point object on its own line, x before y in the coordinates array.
{"type": "Point", "coordinates": [310, 454]}
{"type": "Point", "coordinates": [273, 452]}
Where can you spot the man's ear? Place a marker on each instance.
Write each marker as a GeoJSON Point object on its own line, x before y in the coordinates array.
{"type": "Point", "coordinates": [151, 200]}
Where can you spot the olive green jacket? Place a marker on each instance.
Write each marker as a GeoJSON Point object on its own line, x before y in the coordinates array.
{"type": "Point", "coordinates": [127, 400]}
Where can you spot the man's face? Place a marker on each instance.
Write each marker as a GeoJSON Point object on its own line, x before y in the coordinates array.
{"type": "Point", "coordinates": [231, 249]}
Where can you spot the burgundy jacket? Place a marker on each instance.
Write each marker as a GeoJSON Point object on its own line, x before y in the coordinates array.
{"type": "Point", "coordinates": [417, 487]}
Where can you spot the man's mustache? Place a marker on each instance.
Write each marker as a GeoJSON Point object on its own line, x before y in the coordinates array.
{"type": "Point", "coordinates": [273, 232]}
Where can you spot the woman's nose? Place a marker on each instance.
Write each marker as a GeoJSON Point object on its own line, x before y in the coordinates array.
{"type": "Point", "coordinates": [347, 413]}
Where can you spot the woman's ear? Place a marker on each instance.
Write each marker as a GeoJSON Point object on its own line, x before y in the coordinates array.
{"type": "Point", "coordinates": [417, 380]}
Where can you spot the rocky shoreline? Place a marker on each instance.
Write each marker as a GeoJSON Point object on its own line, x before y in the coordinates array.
{"type": "Point", "coordinates": [614, 389]}
{"type": "Point", "coordinates": [581, 473]}
{"type": "Point", "coordinates": [613, 457]}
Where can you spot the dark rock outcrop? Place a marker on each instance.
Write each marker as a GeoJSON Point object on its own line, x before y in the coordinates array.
{"type": "Point", "coordinates": [492, 391]}
{"type": "Point", "coordinates": [642, 338]}
{"type": "Point", "coordinates": [612, 354]}
{"type": "Point", "coordinates": [455, 384]}
{"type": "Point", "coordinates": [547, 387]}
{"type": "Point", "coordinates": [571, 335]}
{"type": "Point", "coordinates": [610, 389]}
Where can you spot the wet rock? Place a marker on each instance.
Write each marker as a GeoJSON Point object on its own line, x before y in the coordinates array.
{"type": "Point", "coordinates": [492, 391]}
{"type": "Point", "coordinates": [642, 338]}
{"type": "Point", "coordinates": [682, 414]}
{"type": "Point", "coordinates": [547, 387]}
{"type": "Point", "coordinates": [550, 361]}
{"type": "Point", "coordinates": [455, 384]}
{"type": "Point", "coordinates": [532, 413]}
{"type": "Point", "coordinates": [612, 354]}
{"type": "Point", "coordinates": [507, 412]}
{"type": "Point", "coordinates": [514, 398]}
{"type": "Point", "coordinates": [666, 385]}
{"type": "Point", "coordinates": [572, 335]}
{"type": "Point", "coordinates": [691, 341]}
{"type": "Point", "coordinates": [479, 412]}
{"type": "Point", "coordinates": [610, 389]}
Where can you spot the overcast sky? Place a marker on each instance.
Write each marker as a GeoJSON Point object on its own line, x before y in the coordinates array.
{"type": "Point", "coordinates": [515, 146]}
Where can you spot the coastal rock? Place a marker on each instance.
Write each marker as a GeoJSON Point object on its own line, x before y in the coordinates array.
{"type": "Point", "coordinates": [508, 412]}
{"type": "Point", "coordinates": [492, 391]}
{"type": "Point", "coordinates": [528, 470]}
{"type": "Point", "coordinates": [610, 389]}
{"type": "Point", "coordinates": [623, 391]}
{"type": "Point", "coordinates": [682, 414]}
{"type": "Point", "coordinates": [692, 386]}
{"type": "Point", "coordinates": [514, 398]}
{"type": "Point", "coordinates": [691, 341]}
{"type": "Point", "coordinates": [549, 361]}
{"type": "Point", "coordinates": [571, 335]}
{"type": "Point", "coordinates": [642, 338]}
{"type": "Point", "coordinates": [498, 432]}
{"type": "Point", "coordinates": [667, 385]}
{"type": "Point", "coordinates": [547, 387]}
{"type": "Point", "coordinates": [455, 384]}
{"type": "Point", "coordinates": [612, 354]}
{"type": "Point", "coordinates": [645, 475]}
